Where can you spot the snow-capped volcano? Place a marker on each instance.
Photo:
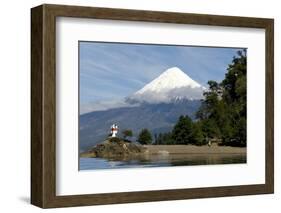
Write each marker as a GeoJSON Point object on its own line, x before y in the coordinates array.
{"type": "Point", "coordinates": [172, 84]}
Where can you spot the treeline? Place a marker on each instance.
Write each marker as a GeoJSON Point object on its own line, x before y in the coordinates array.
{"type": "Point", "coordinates": [185, 131]}
{"type": "Point", "coordinates": [223, 112]}
{"type": "Point", "coordinates": [144, 137]}
{"type": "Point", "coordinates": [222, 115]}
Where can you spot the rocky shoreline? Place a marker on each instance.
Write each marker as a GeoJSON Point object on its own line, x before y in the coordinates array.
{"type": "Point", "coordinates": [114, 149]}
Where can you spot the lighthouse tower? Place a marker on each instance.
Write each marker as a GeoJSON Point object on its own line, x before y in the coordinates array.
{"type": "Point", "coordinates": [113, 130]}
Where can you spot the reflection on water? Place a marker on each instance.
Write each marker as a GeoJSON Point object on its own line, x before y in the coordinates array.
{"type": "Point", "coordinates": [160, 160]}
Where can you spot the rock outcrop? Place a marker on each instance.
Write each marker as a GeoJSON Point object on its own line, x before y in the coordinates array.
{"type": "Point", "coordinates": [114, 149]}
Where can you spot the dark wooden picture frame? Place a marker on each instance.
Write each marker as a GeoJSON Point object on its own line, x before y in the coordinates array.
{"type": "Point", "coordinates": [43, 105]}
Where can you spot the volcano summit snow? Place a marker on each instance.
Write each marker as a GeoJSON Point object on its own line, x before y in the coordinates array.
{"type": "Point", "coordinates": [173, 84]}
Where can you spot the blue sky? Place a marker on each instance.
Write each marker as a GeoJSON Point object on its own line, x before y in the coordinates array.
{"type": "Point", "coordinates": [115, 70]}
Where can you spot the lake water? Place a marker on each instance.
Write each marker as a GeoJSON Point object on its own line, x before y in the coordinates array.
{"type": "Point", "coordinates": [161, 161]}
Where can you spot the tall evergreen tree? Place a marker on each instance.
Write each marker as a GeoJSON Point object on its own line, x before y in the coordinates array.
{"type": "Point", "coordinates": [145, 137]}
{"type": "Point", "coordinates": [182, 131]}
{"type": "Point", "coordinates": [167, 138]}
{"type": "Point", "coordinates": [197, 136]}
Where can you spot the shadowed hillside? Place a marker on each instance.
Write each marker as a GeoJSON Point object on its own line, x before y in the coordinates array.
{"type": "Point", "coordinates": [94, 126]}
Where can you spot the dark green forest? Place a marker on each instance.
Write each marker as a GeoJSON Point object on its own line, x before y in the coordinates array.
{"type": "Point", "coordinates": [222, 114]}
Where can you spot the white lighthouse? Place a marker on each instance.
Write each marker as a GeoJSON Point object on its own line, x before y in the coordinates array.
{"type": "Point", "coordinates": [113, 130]}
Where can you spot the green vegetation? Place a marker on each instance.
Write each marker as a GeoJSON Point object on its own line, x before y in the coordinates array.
{"type": "Point", "coordinates": [223, 111]}
{"type": "Point", "coordinates": [222, 115]}
{"type": "Point", "coordinates": [197, 136]}
{"type": "Point", "coordinates": [114, 140]}
{"type": "Point", "coordinates": [127, 133]}
{"type": "Point", "coordinates": [145, 137]}
{"type": "Point", "coordinates": [182, 131]}
{"type": "Point", "coordinates": [163, 138]}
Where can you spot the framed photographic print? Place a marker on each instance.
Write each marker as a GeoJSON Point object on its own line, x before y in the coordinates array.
{"type": "Point", "coordinates": [137, 106]}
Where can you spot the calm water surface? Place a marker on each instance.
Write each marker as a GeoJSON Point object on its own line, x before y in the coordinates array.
{"type": "Point", "coordinates": [161, 161]}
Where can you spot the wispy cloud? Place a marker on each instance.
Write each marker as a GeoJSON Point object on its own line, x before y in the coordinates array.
{"type": "Point", "coordinates": [104, 105]}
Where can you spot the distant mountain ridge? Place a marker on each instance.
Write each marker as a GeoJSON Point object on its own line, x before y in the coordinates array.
{"type": "Point", "coordinates": [156, 106]}
{"type": "Point", "coordinates": [94, 126]}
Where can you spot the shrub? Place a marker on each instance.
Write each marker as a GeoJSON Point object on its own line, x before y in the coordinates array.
{"type": "Point", "coordinates": [114, 140]}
